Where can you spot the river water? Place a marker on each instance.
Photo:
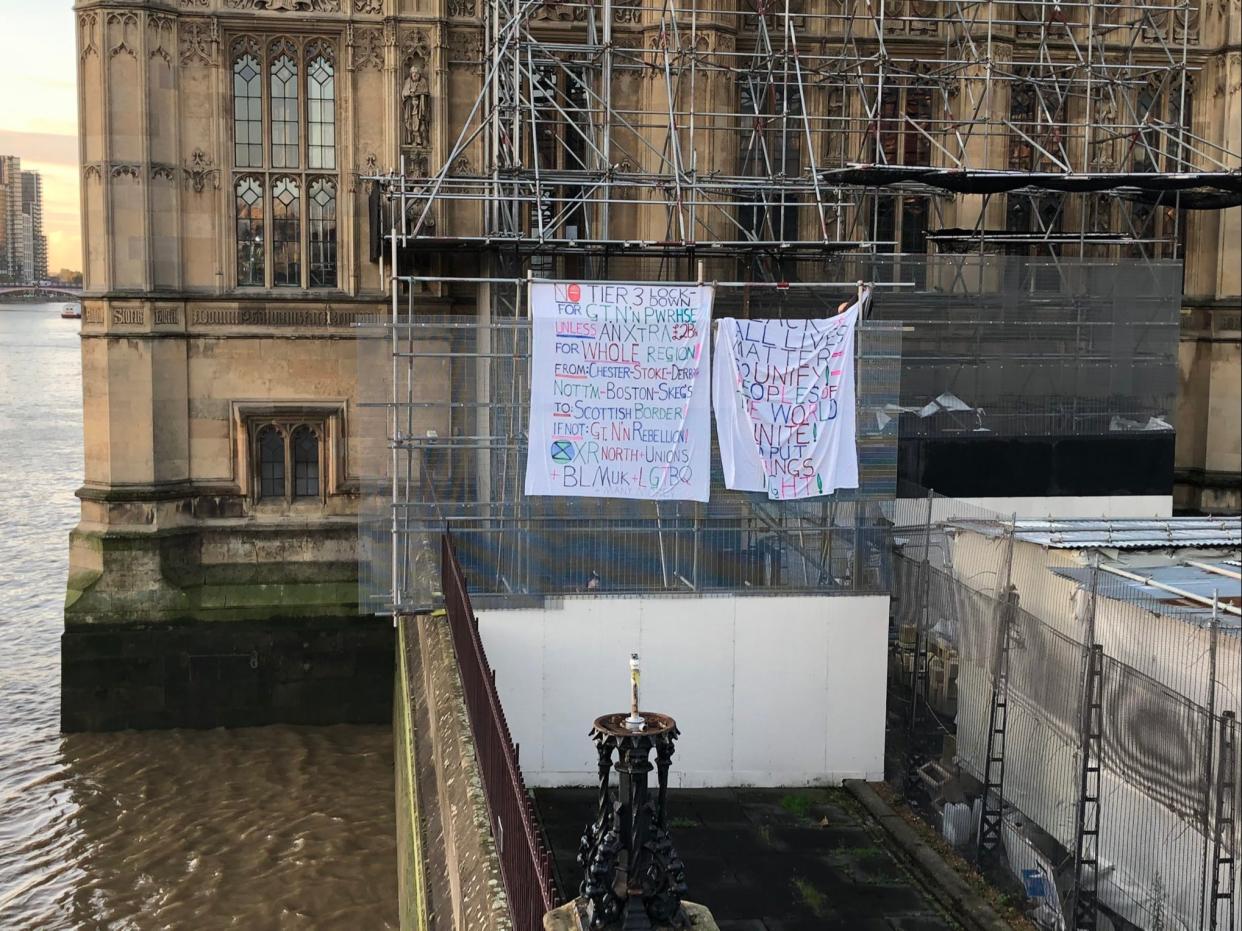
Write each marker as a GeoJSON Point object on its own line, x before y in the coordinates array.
{"type": "Point", "coordinates": [271, 827]}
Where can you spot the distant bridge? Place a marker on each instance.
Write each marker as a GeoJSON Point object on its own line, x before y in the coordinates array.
{"type": "Point", "coordinates": [56, 292]}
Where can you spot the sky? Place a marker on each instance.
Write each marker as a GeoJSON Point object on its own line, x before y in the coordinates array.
{"type": "Point", "coordinates": [39, 114]}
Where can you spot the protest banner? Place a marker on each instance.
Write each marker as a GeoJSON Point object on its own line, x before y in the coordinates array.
{"type": "Point", "coordinates": [619, 396]}
{"type": "Point", "coordinates": [783, 392]}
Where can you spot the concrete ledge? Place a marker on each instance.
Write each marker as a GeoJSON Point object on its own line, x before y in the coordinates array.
{"type": "Point", "coordinates": [946, 884]}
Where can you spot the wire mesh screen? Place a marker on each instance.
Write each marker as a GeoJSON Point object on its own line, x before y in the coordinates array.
{"type": "Point", "coordinates": [1014, 346]}
{"type": "Point", "coordinates": [1171, 670]}
{"type": "Point", "coordinates": [459, 428]}
{"type": "Point", "coordinates": [370, 445]}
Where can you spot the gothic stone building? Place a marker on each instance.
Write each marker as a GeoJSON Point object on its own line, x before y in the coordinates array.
{"type": "Point", "coordinates": [227, 258]}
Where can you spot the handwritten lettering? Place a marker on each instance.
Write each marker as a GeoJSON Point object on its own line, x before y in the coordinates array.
{"type": "Point", "coordinates": [619, 397]}
{"type": "Point", "coordinates": [785, 405]}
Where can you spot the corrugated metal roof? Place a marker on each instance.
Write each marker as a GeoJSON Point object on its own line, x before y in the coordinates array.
{"type": "Point", "coordinates": [1133, 533]}
{"type": "Point", "coordinates": [1189, 579]}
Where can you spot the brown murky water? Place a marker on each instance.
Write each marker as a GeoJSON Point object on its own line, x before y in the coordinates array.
{"type": "Point", "coordinates": [274, 827]}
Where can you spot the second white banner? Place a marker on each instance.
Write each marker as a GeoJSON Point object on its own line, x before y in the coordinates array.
{"type": "Point", "coordinates": [783, 392]}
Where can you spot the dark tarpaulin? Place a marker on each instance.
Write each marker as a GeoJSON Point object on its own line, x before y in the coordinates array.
{"type": "Point", "coordinates": [969, 181]}
{"type": "Point", "coordinates": [1186, 200]}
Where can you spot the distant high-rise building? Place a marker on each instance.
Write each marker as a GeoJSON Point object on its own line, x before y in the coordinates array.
{"type": "Point", "coordinates": [10, 217]}
{"type": "Point", "coordinates": [34, 260]}
{"type": "Point", "coordinates": [23, 245]}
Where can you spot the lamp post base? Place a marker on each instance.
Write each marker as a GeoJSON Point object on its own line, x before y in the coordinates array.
{"type": "Point", "coordinates": [572, 916]}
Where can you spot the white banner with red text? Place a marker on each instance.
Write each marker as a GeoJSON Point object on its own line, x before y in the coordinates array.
{"type": "Point", "coordinates": [619, 401]}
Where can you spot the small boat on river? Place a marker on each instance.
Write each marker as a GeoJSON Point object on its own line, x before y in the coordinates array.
{"type": "Point", "coordinates": [71, 312]}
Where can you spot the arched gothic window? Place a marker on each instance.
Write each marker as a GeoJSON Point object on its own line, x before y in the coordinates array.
{"type": "Point", "coordinates": [770, 142]}
{"type": "Point", "coordinates": [321, 114]}
{"type": "Point", "coordinates": [271, 443]}
{"type": "Point", "coordinates": [283, 125]}
{"type": "Point", "coordinates": [284, 102]}
{"type": "Point", "coordinates": [286, 234]}
{"type": "Point", "coordinates": [247, 112]}
{"type": "Point", "coordinates": [250, 231]}
{"type": "Point", "coordinates": [905, 117]}
{"type": "Point", "coordinates": [287, 454]}
{"type": "Point", "coordinates": [305, 463]}
{"type": "Point", "coordinates": [322, 233]}
{"type": "Point", "coordinates": [1149, 113]}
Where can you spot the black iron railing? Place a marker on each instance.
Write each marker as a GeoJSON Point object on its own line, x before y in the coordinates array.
{"type": "Point", "coordinates": [525, 865]}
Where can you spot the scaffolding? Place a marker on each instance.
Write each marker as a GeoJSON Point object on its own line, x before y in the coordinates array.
{"type": "Point", "coordinates": [762, 136]}
{"type": "Point", "coordinates": [985, 165]}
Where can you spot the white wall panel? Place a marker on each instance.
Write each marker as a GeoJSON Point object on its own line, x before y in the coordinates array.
{"type": "Point", "coordinates": [857, 655]}
{"type": "Point", "coordinates": [672, 630]}
{"type": "Point", "coordinates": [767, 690]}
{"type": "Point", "coordinates": [782, 689]}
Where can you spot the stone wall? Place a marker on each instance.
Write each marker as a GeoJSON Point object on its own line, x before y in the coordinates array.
{"type": "Point", "coordinates": [1209, 417]}
{"type": "Point", "coordinates": [450, 869]}
{"type": "Point", "coordinates": [178, 358]}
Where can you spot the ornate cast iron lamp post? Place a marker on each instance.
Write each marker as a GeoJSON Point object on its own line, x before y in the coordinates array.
{"type": "Point", "coordinates": [634, 877]}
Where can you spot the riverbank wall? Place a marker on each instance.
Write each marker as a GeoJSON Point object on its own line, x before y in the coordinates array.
{"type": "Point", "coordinates": [450, 877]}
{"type": "Point", "coordinates": [227, 674]}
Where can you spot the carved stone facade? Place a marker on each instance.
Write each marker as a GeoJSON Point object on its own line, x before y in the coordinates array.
{"type": "Point", "coordinates": [183, 363]}
{"type": "Point", "coordinates": [1209, 416]}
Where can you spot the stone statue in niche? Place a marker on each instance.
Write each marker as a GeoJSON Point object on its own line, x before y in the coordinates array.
{"type": "Point", "coordinates": [415, 97]}
{"type": "Point", "coordinates": [552, 11]}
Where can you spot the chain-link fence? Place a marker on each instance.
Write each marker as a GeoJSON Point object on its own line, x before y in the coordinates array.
{"type": "Point", "coordinates": [1063, 708]}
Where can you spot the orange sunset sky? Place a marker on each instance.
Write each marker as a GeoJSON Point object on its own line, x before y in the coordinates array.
{"type": "Point", "coordinates": [39, 113]}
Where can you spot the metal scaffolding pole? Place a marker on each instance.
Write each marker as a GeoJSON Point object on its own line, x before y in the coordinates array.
{"type": "Point", "coordinates": [1223, 914]}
